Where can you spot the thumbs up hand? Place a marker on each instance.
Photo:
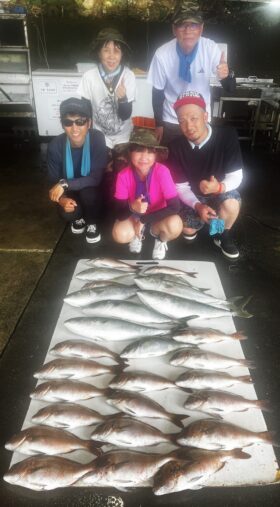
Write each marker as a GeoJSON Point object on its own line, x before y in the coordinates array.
{"type": "Point", "coordinates": [222, 68]}
{"type": "Point", "coordinates": [139, 206]}
{"type": "Point", "coordinates": [209, 186]}
{"type": "Point", "coordinates": [121, 90]}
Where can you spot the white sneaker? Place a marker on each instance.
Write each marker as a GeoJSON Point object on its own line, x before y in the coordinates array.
{"type": "Point", "coordinates": [159, 250]}
{"type": "Point", "coordinates": [135, 245]}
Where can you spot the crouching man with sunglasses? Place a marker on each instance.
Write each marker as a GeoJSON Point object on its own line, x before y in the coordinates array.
{"type": "Point", "coordinates": [76, 162]}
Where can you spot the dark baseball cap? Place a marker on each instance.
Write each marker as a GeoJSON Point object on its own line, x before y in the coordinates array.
{"type": "Point", "coordinates": [76, 106]}
{"type": "Point", "coordinates": [187, 11]}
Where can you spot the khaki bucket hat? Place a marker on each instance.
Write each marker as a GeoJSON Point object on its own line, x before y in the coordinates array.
{"type": "Point", "coordinates": [145, 137]}
{"type": "Point", "coordinates": [109, 34]}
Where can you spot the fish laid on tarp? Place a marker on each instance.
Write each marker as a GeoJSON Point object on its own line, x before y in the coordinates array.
{"type": "Point", "coordinates": [44, 440]}
{"type": "Point", "coordinates": [220, 435]}
{"type": "Point", "coordinates": [126, 279]}
{"type": "Point", "coordinates": [209, 379]}
{"type": "Point", "coordinates": [109, 262]}
{"type": "Point", "coordinates": [178, 476]}
{"type": "Point", "coordinates": [101, 274]}
{"type": "Point", "coordinates": [85, 297]}
{"type": "Point", "coordinates": [218, 403]}
{"type": "Point", "coordinates": [184, 291]}
{"type": "Point", "coordinates": [65, 390]}
{"type": "Point", "coordinates": [200, 335]}
{"type": "Point", "coordinates": [67, 415]}
{"type": "Point", "coordinates": [125, 431]}
{"type": "Point", "coordinates": [100, 328]}
{"type": "Point", "coordinates": [83, 349]}
{"type": "Point", "coordinates": [197, 358]}
{"type": "Point", "coordinates": [125, 310]}
{"type": "Point", "coordinates": [72, 368]}
{"type": "Point", "coordinates": [166, 270]}
{"type": "Point", "coordinates": [42, 473]}
{"type": "Point", "coordinates": [123, 469]}
{"type": "Point", "coordinates": [150, 347]}
{"type": "Point", "coordinates": [140, 381]}
{"type": "Point", "coordinates": [177, 307]}
{"type": "Point", "coordinates": [139, 405]}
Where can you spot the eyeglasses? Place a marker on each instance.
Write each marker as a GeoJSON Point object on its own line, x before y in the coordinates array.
{"type": "Point", "coordinates": [79, 122]}
{"type": "Point", "coordinates": [188, 26]}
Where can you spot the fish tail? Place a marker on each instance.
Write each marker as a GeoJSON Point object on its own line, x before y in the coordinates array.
{"type": "Point", "coordinates": [264, 405]}
{"type": "Point", "coordinates": [239, 454]}
{"type": "Point", "coordinates": [118, 369]}
{"type": "Point", "coordinates": [269, 437]}
{"type": "Point", "coordinates": [191, 274]}
{"type": "Point", "coordinates": [246, 379]}
{"type": "Point", "coordinates": [239, 311]}
{"type": "Point", "coordinates": [177, 419]}
{"type": "Point", "coordinates": [124, 363]}
{"type": "Point", "coordinates": [248, 363]}
{"type": "Point", "coordinates": [94, 447]}
{"type": "Point", "coordinates": [239, 335]}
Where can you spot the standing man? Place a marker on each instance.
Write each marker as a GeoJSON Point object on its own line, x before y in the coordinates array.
{"type": "Point", "coordinates": [76, 161]}
{"type": "Point", "coordinates": [187, 62]}
{"type": "Point", "coordinates": [206, 165]}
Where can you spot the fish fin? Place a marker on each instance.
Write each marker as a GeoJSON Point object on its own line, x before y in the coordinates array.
{"type": "Point", "coordinates": [264, 405]}
{"type": "Point", "coordinates": [239, 454]}
{"type": "Point", "coordinates": [238, 336]}
{"type": "Point", "coordinates": [238, 311]}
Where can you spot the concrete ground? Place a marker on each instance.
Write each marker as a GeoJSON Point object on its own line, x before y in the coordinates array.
{"type": "Point", "coordinates": [38, 256]}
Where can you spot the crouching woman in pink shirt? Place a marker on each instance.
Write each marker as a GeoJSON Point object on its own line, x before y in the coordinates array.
{"type": "Point", "coordinates": [146, 198]}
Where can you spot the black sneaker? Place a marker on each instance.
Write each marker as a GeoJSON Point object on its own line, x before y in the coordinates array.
{"type": "Point", "coordinates": [78, 226]}
{"type": "Point", "coordinates": [226, 244]}
{"type": "Point", "coordinates": [92, 234]}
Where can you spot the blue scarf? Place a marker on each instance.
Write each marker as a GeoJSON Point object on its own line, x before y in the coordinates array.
{"type": "Point", "coordinates": [185, 62]}
{"type": "Point", "coordinates": [85, 166]}
{"type": "Point", "coordinates": [108, 76]}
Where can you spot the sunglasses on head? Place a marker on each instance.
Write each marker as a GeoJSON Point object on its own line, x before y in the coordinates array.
{"type": "Point", "coordinates": [79, 122]}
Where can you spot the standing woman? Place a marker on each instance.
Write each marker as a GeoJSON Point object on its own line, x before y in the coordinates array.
{"type": "Point", "coordinates": [110, 86]}
{"type": "Point", "coordinates": [146, 197]}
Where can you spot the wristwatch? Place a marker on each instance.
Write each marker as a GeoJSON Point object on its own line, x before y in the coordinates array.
{"type": "Point", "coordinates": [63, 183]}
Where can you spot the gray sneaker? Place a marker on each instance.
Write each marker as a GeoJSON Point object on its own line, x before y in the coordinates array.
{"type": "Point", "coordinates": [159, 250]}
{"type": "Point", "coordinates": [135, 245]}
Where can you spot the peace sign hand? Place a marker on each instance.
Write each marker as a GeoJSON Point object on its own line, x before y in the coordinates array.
{"type": "Point", "coordinates": [121, 90]}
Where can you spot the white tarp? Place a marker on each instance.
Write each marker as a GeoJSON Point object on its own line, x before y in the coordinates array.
{"type": "Point", "coordinates": [261, 468]}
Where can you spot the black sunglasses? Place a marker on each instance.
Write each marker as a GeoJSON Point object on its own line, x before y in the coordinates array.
{"type": "Point", "coordinates": [80, 122]}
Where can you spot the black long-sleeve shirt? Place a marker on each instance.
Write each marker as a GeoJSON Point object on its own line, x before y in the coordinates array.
{"type": "Point", "coordinates": [123, 211]}
{"type": "Point", "coordinates": [98, 160]}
